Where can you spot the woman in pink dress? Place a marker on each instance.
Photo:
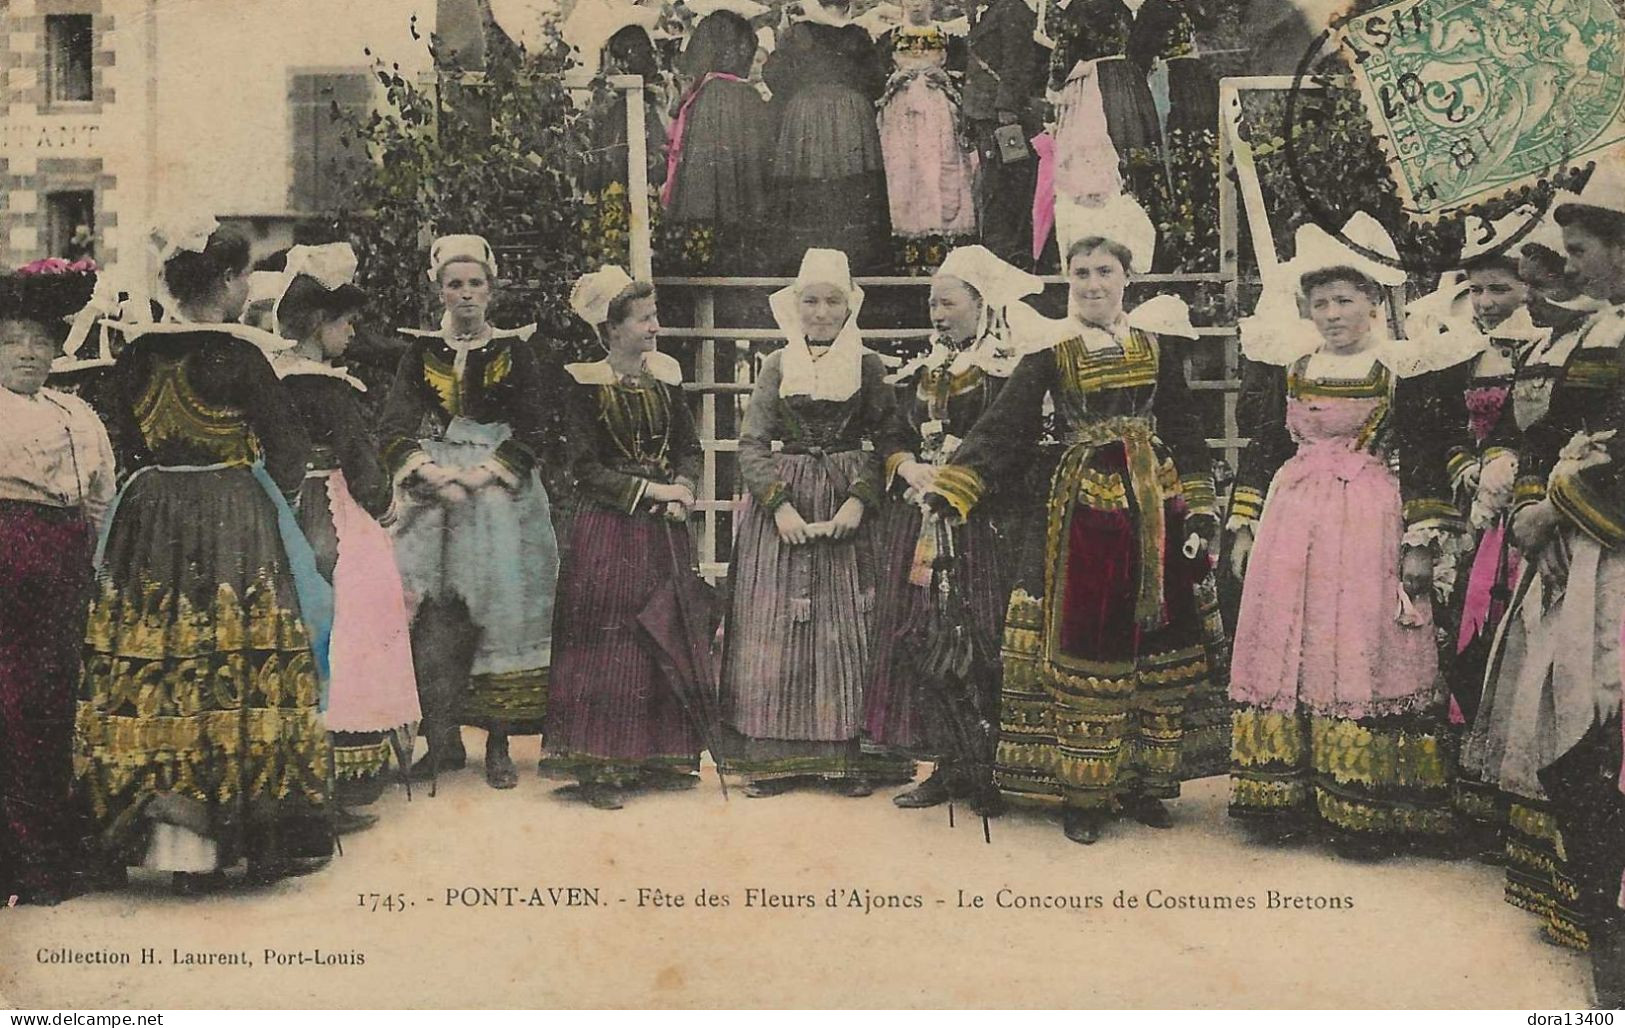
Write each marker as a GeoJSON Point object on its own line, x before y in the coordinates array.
{"type": "Point", "coordinates": [1335, 673]}
{"type": "Point", "coordinates": [344, 503]}
{"type": "Point", "coordinates": [929, 169]}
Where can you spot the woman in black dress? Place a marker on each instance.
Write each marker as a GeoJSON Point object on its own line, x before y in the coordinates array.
{"type": "Point", "coordinates": [613, 720]}
{"type": "Point", "coordinates": [199, 733]}
{"type": "Point", "coordinates": [718, 152]}
{"type": "Point", "coordinates": [829, 181]}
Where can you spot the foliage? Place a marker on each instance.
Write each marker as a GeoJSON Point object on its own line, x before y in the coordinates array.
{"type": "Point", "coordinates": [1341, 169]}
{"type": "Point", "coordinates": [498, 154]}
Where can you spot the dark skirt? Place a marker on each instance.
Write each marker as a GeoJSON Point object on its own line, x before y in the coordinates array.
{"type": "Point", "coordinates": [1585, 799]}
{"type": "Point", "coordinates": [1093, 707]}
{"type": "Point", "coordinates": [1131, 113]}
{"type": "Point", "coordinates": [720, 191]}
{"type": "Point", "coordinates": [44, 584]}
{"type": "Point", "coordinates": [829, 182]}
{"type": "Point", "coordinates": [1131, 121]}
{"type": "Point", "coordinates": [1193, 98]}
{"type": "Point", "coordinates": [199, 687]}
{"type": "Point", "coordinates": [900, 708]}
{"type": "Point", "coordinates": [1537, 874]}
{"type": "Point", "coordinates": [611, 708]}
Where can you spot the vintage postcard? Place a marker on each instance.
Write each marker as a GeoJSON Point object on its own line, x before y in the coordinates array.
{"type": "Point", "coordinates": [823, 504]}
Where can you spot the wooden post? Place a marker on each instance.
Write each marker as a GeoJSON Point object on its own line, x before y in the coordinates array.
{"type": "Point", "coordinates": [1229, 263]}
{"type": "Point", "coordinates": [705, 317]}
{"type": "Point", "coordinates": [639, 231]}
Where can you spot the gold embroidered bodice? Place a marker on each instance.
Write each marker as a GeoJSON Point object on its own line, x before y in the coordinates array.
{"type": "Point", "coordinates": [180, 427]}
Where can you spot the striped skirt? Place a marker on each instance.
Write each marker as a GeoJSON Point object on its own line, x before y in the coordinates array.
{"type": "Point", "coordinates": [611, 713]}
{"type": "Point", "coordinates": [799, 631]}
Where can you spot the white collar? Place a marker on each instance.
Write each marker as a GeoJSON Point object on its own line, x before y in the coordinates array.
{"type": "Point", "coordinates": [1437, 341]}
{"type": "Point", "coordinates": [463, 346]}
{"type": "Point", "coordinates": [661, 367]}
{"type": "Point", "coordinates": [999, 347]}
{"type": "Point", "coordinates": [1520, 326]}
{"type": "Point", "coordinates": [264, 341]}
{"type": "Point", "coordinates": [1099, 338]}
{"type": "Point", "coordinates": [451, 339]}
{"type": "Point", "coordinates": [834, 375]}
{"type": "Point", "coordinates": [1605, 328]}
{"type": "Point", "coordinates": [12, 396]}
{"type": "Point", "coordinates": [815, 12]}
{"type": "Point", "coordinates": [1346, 365]}
{"type": "Point", "coordinates": [290, 364]}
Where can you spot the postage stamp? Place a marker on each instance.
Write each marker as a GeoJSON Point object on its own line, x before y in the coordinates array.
{"type": "Point", "coordinates": [1473, 99]}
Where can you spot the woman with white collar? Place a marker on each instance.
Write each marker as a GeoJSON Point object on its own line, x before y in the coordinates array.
{"type": "Point", "coordinates": [345, 497]}
{"type": "Point", "coordinates": [1459, 446]}
{"type": "Point", "coordinates": [983, 329]}
{"type": "Point", "coordinates": [1528, 844]}
{"type": "Point", "coordinates": [1104, 637]}
{"type": "Point", "coordinates": [1338, 727]}
{"type": "Point", "coordinates": [612, 720]}
{"type": "Point", "coordinates": [1549, 725]}
{"type": "Point", "coordinates": [474, 540]}
{"type": "Point", "coordinates": [208, 596]}
{"type": "Point", "coordinates": [803, 575]}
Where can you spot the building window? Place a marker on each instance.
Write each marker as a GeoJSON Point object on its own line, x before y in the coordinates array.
{"type": "Point", "coordinates": [69, 44]}
{"type": "Point", "coordinates": [322, 165]}
{"type": "Point", "coordinates": [70, 224]}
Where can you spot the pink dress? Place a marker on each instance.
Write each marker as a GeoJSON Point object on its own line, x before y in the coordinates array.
{"type": "Point", "coordinates": [929, 170]}
{"type": "Point", "coordinates": [1317, 628]}
{"type": "Point", "coordinates": [1338, 717]}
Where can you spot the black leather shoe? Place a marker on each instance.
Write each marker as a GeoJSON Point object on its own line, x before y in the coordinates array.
{"type": "Point", "coordinates": [929, 793]}
{"type": "Point", "coordinates": [184, 883]}
{"type": "Point", "coordinates": [769, 787]}
{"type": "Point", "coordinates": [425, 768]}
{"type": "Point", "coordinates": [670, 781]}
{"type": "Point", "coordinates": [499, 770]}
{"type": "Point", "coordinates": [1355, 847]}
{"type": "Point", "coordinates": [855, 788]}
{"type": "Point", "coordinates": [1084, 826]}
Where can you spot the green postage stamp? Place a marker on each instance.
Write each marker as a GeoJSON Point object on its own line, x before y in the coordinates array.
{"type": "Point", "coordinates": [1474, 98]}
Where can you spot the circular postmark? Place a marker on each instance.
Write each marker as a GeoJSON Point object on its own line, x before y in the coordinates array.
{"type": "Point", "coordinates": [1439, 88]}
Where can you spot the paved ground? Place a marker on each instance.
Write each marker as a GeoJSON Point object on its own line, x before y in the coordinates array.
{"type": "Point", "coordinates": [1419, 934]}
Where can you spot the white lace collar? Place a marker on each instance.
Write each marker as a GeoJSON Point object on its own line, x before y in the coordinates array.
{"type": "Point", "coordinates": [465, 344]}
{"type": "Point", "coordinates": [661, 367]}
{"type": "Point", "coordinates": [268, 344]}
{"type": "Point", "coordinates": [288, 364]}
{"type": "Point", "coordinates": [836, 373]}
{"type": "Point", "coordinates": [462, 346]}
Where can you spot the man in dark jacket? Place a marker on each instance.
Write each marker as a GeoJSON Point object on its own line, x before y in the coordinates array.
{"type": "Point", "coordinates": [1004, 86]}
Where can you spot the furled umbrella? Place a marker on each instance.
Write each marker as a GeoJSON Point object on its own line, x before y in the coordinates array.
{"type": "Point", "coordinates": [958, 667]}
{"type": "Point", "coordinates": [679, 620]}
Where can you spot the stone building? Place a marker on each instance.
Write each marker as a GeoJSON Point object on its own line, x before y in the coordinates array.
{"type": "Point", "coordinates": [117, 112]}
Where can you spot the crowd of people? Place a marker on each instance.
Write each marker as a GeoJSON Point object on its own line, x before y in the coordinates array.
{"type": "Point", "coordinates": [898, 135]}
{"type": "Point", "coordinates": [219, 639]}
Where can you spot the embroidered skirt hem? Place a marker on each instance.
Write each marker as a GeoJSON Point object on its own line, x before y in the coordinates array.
{"type": "Point", "coordinates": [1369, 777]}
